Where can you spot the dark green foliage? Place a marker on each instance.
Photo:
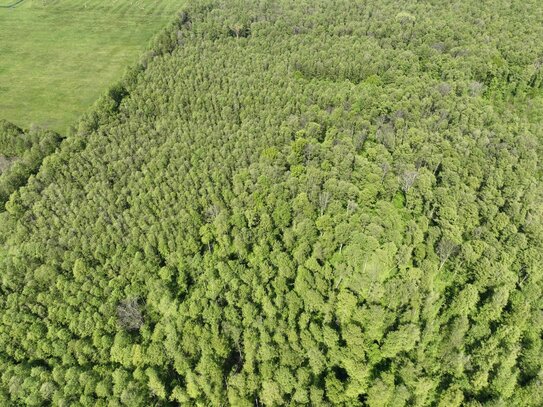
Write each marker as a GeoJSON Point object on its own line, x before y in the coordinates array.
{"type": "Point", "coordinates": [314, 203]}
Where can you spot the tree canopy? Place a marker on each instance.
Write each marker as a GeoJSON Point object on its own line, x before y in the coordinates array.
{"type": "Point", "coordinates": [323, 202]}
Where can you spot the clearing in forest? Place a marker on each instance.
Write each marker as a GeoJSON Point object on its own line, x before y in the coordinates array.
{"type": "Point", "coordinates": [58, 56]}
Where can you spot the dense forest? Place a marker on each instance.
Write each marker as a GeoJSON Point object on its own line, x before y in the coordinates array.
{"type": "Point", "coordinates": [321, 202]}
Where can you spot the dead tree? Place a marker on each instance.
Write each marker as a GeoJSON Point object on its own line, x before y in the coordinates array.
{"type": "Point", "coordinates": [129, 314]}
{"type": "Point", "coordinates": [407, 179]}
{"type": "Point", "coordinates": [445, 249]}
{"type": "Point", "coordinates": [324, 200]}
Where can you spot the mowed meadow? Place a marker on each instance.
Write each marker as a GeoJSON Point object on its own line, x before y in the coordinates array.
{"type": "Point", "coordinates": [57, 57]}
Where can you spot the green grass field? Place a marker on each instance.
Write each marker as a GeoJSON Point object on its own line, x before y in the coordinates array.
{"type": "Point", "coordinates": [58, 56]}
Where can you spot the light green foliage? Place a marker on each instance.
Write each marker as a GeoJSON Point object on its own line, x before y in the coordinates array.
{"type": "Point", "coordinates": [291, 203]}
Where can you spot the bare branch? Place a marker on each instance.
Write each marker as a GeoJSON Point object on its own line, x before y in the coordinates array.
{"type": "Point", "coordinates": [129, 314]}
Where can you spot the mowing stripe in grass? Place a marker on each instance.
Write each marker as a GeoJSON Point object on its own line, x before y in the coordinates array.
{"type": "Point", "coordinates": [12, 5]}
{"type": "Point", "coordinates": [58, 56]}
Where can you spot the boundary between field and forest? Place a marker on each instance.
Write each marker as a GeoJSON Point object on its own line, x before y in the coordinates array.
{"type": "Point", "coordinates": [12, 5]}
{"type": "Point", "coordinates": [163, 42]}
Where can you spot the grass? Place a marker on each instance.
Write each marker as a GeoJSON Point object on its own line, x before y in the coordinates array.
{"type": "Point", "coordinates": [58, 56]}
